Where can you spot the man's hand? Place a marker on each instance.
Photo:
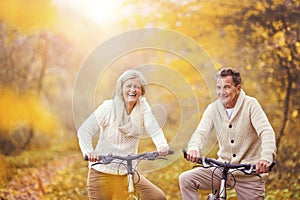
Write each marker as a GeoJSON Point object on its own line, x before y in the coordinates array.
{"type": "Point", "coordinates": [193, 155]}
{"type": "Point", "coordinates": [262, 166]}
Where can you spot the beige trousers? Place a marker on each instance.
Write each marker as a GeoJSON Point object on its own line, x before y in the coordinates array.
{"type": "Point", "coordinates": [101, 186]}
{"type": "Point", "coordinates": [201, 178]}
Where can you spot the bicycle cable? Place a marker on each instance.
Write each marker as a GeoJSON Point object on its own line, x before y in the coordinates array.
{"type": "Point", "coordinates": [133, 168]}
{"type": "Point", "coordinates": [212, 181]}
{"type": "Point", "coordinates": [234, 180]}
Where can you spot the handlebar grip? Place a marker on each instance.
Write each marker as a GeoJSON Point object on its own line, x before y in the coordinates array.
{"type": "Point", "coordinates": [184, 153]}
{"type": "Point", "coordinates": [272, 165]}
{"type": "Point", "coordinates": [86, 158]}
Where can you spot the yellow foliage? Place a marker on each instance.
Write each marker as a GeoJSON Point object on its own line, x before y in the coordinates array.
{"type": "Point", "coordinates": [249, 67]}
{"type": "Point", "coordinates": [27, 14]}
{"type": "Point", "coordinates": [218, 65]}
{"type": "Point", "coordinates": [25, 108]}
{"type": "Point", "coordinates": [279, 39]}
{"type": "Point", "coordinates": [295, 113]}
{"type": "Point", "coordinates": [297, 44]}
{"type": "Point", "coordinates": [260, 6]}
{"type": "Point", "coordinates": [3, 175]}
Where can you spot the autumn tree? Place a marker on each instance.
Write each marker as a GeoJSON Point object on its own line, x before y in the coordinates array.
{"type": "Point", "coordinates": [34, 68]}
{"type": "Point", "coordinates": [272, 29]}
{"type": "Point", "coordinates": [261, 39]}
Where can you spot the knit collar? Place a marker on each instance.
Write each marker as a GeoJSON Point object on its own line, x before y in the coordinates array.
{"type": "Point", "coordinates": [237, 106]}
{"type": "Point", "coordinates": [132, 125]}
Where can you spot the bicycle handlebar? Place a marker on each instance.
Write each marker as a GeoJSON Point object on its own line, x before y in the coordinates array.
{"type": "Point", "coordinates": [129, 159]}
{"type": "Point", "coordinates": [210, 162]}
{"type": "Point", "coordinates": [106, 159]}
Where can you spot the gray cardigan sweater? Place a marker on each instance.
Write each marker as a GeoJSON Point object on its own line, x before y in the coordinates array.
{"type": "Point", "coordinates": [246, 137]}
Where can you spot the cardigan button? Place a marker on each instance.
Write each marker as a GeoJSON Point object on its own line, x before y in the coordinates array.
{"type": "Point", "coordinates": [230, 126]}
{"type": "Point", "coordinates": [234, 155]}
{"type": "Point", "coordinates": [232, 141]}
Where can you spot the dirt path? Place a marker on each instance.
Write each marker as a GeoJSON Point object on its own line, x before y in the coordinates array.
{"type": "Point", "coordinates": [31, 183]}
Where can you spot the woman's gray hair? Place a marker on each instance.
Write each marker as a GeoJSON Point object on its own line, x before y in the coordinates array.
{"type": "Point", "coordinates": [130, 74]}
{"type": "Point", "coordinates": [118, 100]}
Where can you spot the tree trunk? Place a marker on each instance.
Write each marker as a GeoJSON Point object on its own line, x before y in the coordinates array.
{"type": "Point", "coordinates": [286, 106]}
{"type": "Point", "coordinates": [42, 52]}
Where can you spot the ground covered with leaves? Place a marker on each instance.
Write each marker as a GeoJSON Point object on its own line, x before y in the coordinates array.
{"type": "Point", "coordinates": [60, 173]}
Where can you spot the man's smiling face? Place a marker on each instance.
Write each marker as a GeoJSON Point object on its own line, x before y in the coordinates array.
{"type": "Point", "coordinates": [227, 91]}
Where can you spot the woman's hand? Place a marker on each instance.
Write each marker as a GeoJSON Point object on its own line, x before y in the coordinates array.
{"type": "Point", "coordinates": [93, 156]}
{"type": "Point", "coordinates": [163, 151]}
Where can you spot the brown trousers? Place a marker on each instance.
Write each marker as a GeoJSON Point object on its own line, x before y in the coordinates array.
{"type": "Point", "coordinates": [201, 178]}
{"type": "Point", "coordinates": [101, 186]}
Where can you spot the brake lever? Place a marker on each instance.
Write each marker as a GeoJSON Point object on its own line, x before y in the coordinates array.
{"type": "Point", "coordinates": [204, 163]}
{"type": "Point", "coordinates": [106, 159]}
{"type": "Point", "coordinates": [253, 170]}
{"type": "Point", "coordinates": [162, 157]}
{"type": "Point", "coordinates": [155, 155]}
{"type": "Point", "coordinates": [152, 156]}
{"type": "Point", "coordinates": [250, 170]}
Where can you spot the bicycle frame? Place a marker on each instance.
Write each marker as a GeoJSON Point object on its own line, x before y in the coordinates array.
{"type": "Point", "coordinates": [225, 166]}
{"type": "Point", "coordinates": [221, 194]}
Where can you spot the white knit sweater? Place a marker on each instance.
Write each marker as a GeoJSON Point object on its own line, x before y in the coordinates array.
{"type": "Point", "coordinates": [112, 140]}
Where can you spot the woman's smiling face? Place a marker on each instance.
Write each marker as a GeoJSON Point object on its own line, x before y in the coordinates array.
{"type": "Point", "coordinates": [132, 90]}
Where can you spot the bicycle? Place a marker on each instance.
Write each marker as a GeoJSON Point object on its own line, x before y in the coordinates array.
{"type": "Point", "coordinates": [107, 159]}
{"type": "Point", "coordinates": [225, 167]}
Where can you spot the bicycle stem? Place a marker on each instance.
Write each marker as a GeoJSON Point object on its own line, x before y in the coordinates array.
{"type": "Point", "coordinates": [130, 177]}
{"type": "Point", "coordinates": [222, 191]}
{"type": "Point", "coordinates": [130, 183]}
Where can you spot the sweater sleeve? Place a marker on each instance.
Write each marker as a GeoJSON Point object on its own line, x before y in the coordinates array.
{"type": "Point", "coordinates": [264, 131]}
{"type": "Point", "coordinates": [201, 134]}
{"type": "Point", "coordinates": [92, 125]}
{"type": "Point", "coordinates": [152, 126]}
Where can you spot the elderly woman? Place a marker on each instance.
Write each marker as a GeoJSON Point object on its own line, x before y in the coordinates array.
{"type": "Point", "coordinates": [121, 121]}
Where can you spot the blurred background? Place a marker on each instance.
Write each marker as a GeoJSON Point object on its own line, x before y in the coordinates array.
{"type": "Point", "coordinates": [44, 44]}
